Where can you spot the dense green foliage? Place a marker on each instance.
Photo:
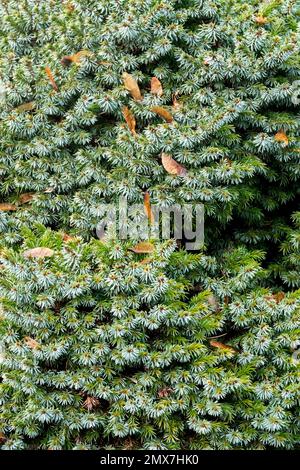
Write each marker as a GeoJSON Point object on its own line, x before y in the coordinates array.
{"type": "Point", "coordinates": [103, 347]}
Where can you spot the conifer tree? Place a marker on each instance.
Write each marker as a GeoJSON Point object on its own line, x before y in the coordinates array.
{"type": "Point", "coordinates": [118, 352]}
{"type": "Point", "coordinates": [186, 101]}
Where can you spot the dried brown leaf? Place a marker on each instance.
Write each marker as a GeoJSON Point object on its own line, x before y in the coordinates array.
{"type": "Point", "coordinates": [26, 197]}
{"type": "Point", "coordinates": [165, 392]}
{"type": "Point", "coordinates": [90, 403]}
{"type": "Point", "coordinates": [156, 87]}
{"type": "Point", "coordinates": [130, 119]}
{"type": "Point", "coordinates": [261, 19]}
{"type": "Point", "coordinates": [31, 343]}
{"type": "Point", "coordinates": [171, 166]}
{"type": "Point", "coordinates": [143, 247]}
{"type": "Point", "coordinates": [176, 104]}
{"type": "Point", "coordinates": [163, 113]}
{"type": "Point", "coordinates": [147, 208]}
{"type": "Point", "coordinates": [5, 206]}
{"type": "Point", "coordinates": [219, 345]}
{"type": "Point", "coordinates": [75, 58]}
{"type": "Point", "coordinates": [281, 136]}
{"type": "Point", "coordinates": [38, 252]}
{"type": "Point", "coordinates": [51, 78]}
{"type": "Point", "coordinates": [132, 86]}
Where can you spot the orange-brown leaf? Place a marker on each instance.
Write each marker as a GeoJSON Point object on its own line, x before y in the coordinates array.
{"type": "Point", "coordinates": [25, 107]}
{"type": "Point", "coordinates": [130, 119]}
{"type": "Point", "coordinates": [281, 136]}
{"type": "Point", "coordinates": [131, 85]}
{"type": "Point", "coordinates": [176, 104]}
{"type": "Point", "coordinates": [51, 78]}
{"type": "Point", "coordinates": [163, 113]}
{"type": "Point", "coordinates": [5, 206]}
{"type": "Point", "coordinates": [31, 343]}
{"type": "Point", "coordinates": [261, 19]}
{"type": "Point", "coordinates": [38, 252]}
{"type": "Point", "coordinates": [156, 87]}
{"type": "Point", "coordinates": [147, 207]}
{"type": "Point", "coordinates": [26, 197]}
{"type": "Point", "coordinates": [219, 345]}
{"type": "Point", "coordinates": [171, 166]}
{"type": "Point", "coordinates": [75, 58]}
{"type": "Point", "coordinates": [68, 238]}
{"type": "Point", "coordinates": [165, 392]}
{"type": "Point", "coordinates": [70, 7]}
{"type": "Point", "coordinates": [143, 247]}
{"type": "Point", "coordinates": [146, 261]}
{"type": "Point", "coordinates": [91, 403]}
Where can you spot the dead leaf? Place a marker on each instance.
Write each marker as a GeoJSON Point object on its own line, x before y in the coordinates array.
{"type": "Point", "coordinates": [130, 119]}
{"type": "Point", "coordinates": [25, 107]}
{"type": "Point", "coordinates": [171, 166]}
{"type": "Point", "coordinates": [281, 136]}
{"type": "Point", "coordinates": [68, 238]}
{"type": "Point", "coordinates": [131, 85]}
{"type": "Point", "coordinates": [38, 252]}
{"type": "Point", "coordinates": [165, 392]}
{"type": "Point", "coordinates": [146, 261]}
{"type": "Point", "coordinates": [31, 343]}
{"type": "Point", "coordinates": [2, 437]}
{"type": "Point", "coordinates": [51, 78]}
{"type": "Point", "coordinates": [147, 208]}
{"type": "Point", "coordinates": [217, 344]}
{"type": "Point", "coordinates": [261, 19]}
{"type": "Point", "coordinates": [143, 247]}
{"type": "Point", "coordinates": [105, 63]}
{"type": "Point", "coordinates": [48, 190]}
{"type": "Point", "coordinates": [176, 104]}
{"type": "Point", "coordinates": [26, 197]}
{"type": "Point", "coordinates": [278, 297]}
{"type": "Point", "coordinates": [5, 206]}
{"type": "Point", "coordinates": [75, 58]}
{"type": "Point", "coordinates": [91, 403]}
{"type": "Point", "coordinates": [70, 7]}
{"type": "Point", "coordinates": [163, 113]}
{"type": "Point", "coordinates": [156, 87]}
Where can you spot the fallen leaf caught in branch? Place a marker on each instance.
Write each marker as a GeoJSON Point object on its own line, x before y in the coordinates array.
{"type": "Point", "coordinates": [143, 247]}
{"type": "Point", "coordinates": [38, 252]}
{"type": "Point", "coordinates": [51, 78]}
{"type": "Point", "coordinates": [261, 19]}
{"type": "Point", "coordinates": [163, 113]}
{"type": "Point", "coordinates": [26, 197]}
{"type": "Point", "coordinates": [90, 403]}
{"type": "Point", "coordinates": [147, 208]}
{"type": "Point", "coordinates": [131, 85]}
{"type": "Point", "coordinates": [219, 345]}
{"type": "Point", "coordinates": [171, 166]}
{"type": "Point", "coordinates": [156, 87]}
{"type": "Point", "coordinates": [5, 206]}
{"type": "Point", "coordinates": [281, 136]}
{"type": "Point", "coordinates": [130, 119]}
{"type": "Point", "coordinates": [75, 58]}
{"type": "Point", "coordinates": [31, 343]}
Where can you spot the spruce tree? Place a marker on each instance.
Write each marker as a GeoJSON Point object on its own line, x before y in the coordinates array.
{"type": "Point", "coordinates": [106, 348]}
{"type": "Point", "coordinates": [187, 102]}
